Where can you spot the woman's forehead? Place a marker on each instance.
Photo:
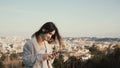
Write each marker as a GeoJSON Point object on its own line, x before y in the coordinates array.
{"type": "Point", "coordinates": [53, 32]}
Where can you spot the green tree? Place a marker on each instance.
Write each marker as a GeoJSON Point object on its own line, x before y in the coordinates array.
{"type": "Point", "coordinates": [59, 62]}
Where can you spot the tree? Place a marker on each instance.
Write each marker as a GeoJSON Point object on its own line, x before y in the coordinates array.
{"type": "Point", "coordinates": [59, 62]}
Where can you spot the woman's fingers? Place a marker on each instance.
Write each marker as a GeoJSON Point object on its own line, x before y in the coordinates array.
{"type": "Point", "coordinates": [49, 56]}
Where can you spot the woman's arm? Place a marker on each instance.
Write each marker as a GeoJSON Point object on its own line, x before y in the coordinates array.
{"type": "Point", "coordinates": [28, 57]}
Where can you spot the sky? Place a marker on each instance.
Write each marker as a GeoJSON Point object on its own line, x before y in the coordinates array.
{"type": "Point", "coordinates": [74, 18]}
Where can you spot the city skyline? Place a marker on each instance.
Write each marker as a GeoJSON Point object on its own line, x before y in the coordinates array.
{"type": "Point", "coordinates": [75, 18]}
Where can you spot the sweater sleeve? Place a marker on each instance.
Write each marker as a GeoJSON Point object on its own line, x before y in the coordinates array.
{"type": "Point", "coordinates": [28, 58]}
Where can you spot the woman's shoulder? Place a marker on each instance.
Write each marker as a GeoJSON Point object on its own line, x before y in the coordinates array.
{"type": "Point", "coordinates": [28, 43]}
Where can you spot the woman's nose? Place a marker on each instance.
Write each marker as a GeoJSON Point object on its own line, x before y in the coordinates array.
{"type": "Point", "coordinates": [50, 36]}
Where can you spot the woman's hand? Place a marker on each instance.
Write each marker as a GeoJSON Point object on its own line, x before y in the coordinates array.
{"type": "Point", "coordinates": [49, 56]}
{"type": "Point", "coordinates": [53, 55]}
{"type": "Point", "coordinates": [45, 56]}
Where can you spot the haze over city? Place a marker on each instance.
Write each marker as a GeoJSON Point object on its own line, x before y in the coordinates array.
{"type": "Point", "coordinates": [74, 18]}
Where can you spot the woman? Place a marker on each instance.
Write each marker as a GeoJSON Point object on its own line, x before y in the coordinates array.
{"type": "Point", "coordinates": [37, 52]}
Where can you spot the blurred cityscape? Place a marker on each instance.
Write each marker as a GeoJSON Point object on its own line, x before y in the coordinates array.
{"type": "Point", "coordinates": [81, 48]}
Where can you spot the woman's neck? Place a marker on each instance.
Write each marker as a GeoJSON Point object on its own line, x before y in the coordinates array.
{"type": "Point", "coordinates": [40, 41]}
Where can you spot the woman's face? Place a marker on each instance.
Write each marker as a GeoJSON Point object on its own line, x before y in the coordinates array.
{"type": "Point", "coordinates": [47, 36]}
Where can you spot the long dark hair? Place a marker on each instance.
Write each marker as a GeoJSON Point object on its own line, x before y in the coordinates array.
{"type": "Point", "coordinates": [46, 28]}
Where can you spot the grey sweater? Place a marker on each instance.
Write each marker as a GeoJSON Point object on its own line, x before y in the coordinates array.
{"type": "Point", "coordinates": [32, 54]}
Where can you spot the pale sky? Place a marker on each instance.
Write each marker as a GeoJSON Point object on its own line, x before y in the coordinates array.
{"type": "Point", "coordinates": [74, 18]}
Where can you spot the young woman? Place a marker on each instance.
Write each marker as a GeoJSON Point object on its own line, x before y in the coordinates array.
{"type": "Point", "coordinates": [37, 52]}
